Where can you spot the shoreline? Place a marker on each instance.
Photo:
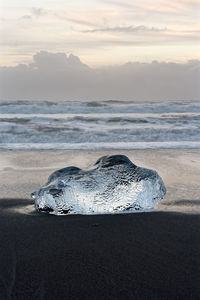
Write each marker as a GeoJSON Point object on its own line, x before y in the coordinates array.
{"type": "Point", "coordinates": [112, 146]}
{"type": "Point", "coordinates": [24, 171]}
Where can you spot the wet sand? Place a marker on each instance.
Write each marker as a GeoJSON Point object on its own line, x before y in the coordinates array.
{"type": "Point", "coordinates": [133, 256]}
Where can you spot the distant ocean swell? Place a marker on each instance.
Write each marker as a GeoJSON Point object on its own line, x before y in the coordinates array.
{"type": "Point", "coordinates": [102, 125]}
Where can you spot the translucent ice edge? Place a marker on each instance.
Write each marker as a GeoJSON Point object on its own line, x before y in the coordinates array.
{"type": "Point", "coordinates": [113, 185]}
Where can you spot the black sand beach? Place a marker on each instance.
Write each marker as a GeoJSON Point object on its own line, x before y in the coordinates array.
{"type": "Point", "coordinates": [136, 256]}
{"type": "Point", "coordinates": [132, 256]}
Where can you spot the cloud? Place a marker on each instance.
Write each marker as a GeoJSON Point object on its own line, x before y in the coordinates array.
{"type": "Point", "coordinates": [127, 29]}
{"type": "Point", "coordinates": [38, 11]}
{"type": "Point", "coordinates": [57, 76]}
{"type": "Point", "coordinates": [34, 12]}
{"type": "Point", "coordinates": [76, 21]}
{"type": "Point", "coordinates": [26, 17]}
{"type": "Point", "coordinates": [166, 8]}
{"type": "Point", "coordinates": [118, 3]}
{"type": "Point", "coordinates": [44, 60]}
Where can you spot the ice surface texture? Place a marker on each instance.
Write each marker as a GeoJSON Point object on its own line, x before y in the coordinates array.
{"type": "Point", "coordinates": [113, 185]}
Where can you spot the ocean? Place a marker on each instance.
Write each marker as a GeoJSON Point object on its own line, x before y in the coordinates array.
{"type": "Point", "coordinates": [99, 125]}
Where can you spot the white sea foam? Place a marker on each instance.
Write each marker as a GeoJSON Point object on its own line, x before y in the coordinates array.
{"type": "Point", "coordinates": [98, 146]}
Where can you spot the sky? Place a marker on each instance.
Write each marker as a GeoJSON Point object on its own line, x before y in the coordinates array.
{"type": "Point", "coordinates": [100, 50]}
{"type": "Point", "coordinates": [100, 32]}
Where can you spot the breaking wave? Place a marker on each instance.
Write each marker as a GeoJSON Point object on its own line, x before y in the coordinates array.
{"type": "Point", "coordinates": [91, 125]}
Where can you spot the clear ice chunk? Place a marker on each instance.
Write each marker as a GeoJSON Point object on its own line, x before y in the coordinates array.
{"type": "Point", "coordinates": [113, 185]}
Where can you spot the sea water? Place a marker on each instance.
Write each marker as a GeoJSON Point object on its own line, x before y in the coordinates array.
{"type": "Point", "coordinates": [99, 125]}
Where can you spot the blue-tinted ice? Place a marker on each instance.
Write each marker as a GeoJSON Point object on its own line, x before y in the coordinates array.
{"type": "Point", "coordinates": [113, 185]}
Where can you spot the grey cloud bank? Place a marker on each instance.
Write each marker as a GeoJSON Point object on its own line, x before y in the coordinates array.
{"type": "Point", "coordinates": [58, 77]}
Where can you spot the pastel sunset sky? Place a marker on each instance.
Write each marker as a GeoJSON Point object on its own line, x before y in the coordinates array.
{"type": "Point", "coordinates": [101, 32]}
{"type": "Point", "coordinates": [100, 49]}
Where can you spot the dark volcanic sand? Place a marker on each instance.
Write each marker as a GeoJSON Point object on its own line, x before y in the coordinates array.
{"type": "Point", "coordinates": [135, 256]}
